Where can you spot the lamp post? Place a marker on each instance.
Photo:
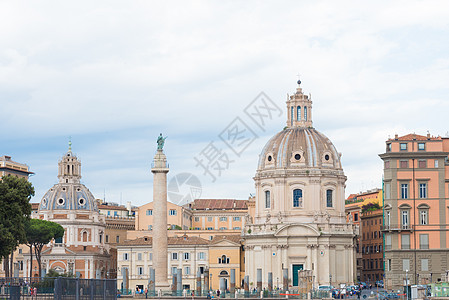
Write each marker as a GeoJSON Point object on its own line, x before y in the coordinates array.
{"type": "Point", "coordinates": [406, 283]}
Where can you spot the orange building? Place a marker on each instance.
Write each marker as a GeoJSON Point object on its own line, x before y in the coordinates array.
{"type": "Point", "coordinates": [416, 173]}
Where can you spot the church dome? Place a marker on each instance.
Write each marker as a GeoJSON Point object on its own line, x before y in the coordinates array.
{"type": "Point", "coordinates": [68, 197]}
{"type": "Point", "coordinates": [299, 147]}
{"type": "Point", "coordinates": [69, 193]}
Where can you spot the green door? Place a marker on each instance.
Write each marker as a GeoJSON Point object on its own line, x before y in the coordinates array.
{"type": "Point", "coordinates": [296, 268]}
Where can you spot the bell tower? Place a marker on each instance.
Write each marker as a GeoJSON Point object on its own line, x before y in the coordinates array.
{"type": "Point", "coordinates": [69, 168]}
{"type": "Point", "coordinates": [299, 109]}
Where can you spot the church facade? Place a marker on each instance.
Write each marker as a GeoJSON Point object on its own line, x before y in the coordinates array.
{"type": "Point", "coordinates": [299, 221]}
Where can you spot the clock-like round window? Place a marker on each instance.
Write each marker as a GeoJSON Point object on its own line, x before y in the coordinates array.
{"type": "Point", "coordinates": [269, 158]}
{"type": "Point", "coordinates": [326, 157]}
{"type": "Point", "coordinates": [61, 201]}
{"type": "Point", "coordinates": [81, 201]}
{"type": "Point", "coordinates": [297, 156]}
{"type": "Point", "coordinates": [44, 202]}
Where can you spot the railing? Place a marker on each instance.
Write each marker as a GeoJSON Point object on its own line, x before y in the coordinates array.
{"type": "Point", "coordinates": [398, 228]}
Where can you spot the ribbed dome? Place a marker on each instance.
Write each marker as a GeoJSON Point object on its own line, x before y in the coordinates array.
{"type": "Point", "coordinates": [299, 147]}
{"type": "Point", "coordinates": [71, 196]}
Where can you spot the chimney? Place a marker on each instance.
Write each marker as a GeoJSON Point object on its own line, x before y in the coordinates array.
{"type": "Point", "coordinates": [396, 136]}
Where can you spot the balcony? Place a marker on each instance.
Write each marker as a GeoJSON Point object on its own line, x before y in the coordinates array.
{"type": "Point", "coordinates": [396, 228]}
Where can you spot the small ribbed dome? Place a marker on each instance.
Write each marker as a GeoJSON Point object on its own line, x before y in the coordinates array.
{"type": "Point", "coordinates": [68, 197]}
{"type": "Point", "coordinates": [299, 147]}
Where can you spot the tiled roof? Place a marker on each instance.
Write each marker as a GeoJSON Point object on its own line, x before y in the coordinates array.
{"type": "Point", "coordinates": [111, 207]}
{"type": "Point", "coordinates": [233, 238]}
{"type": "Point", "coordinates": [180, 240]}
{"type": "Point", "coordinates": [203, 204]}
{"type": "Point", "coordinates": [414, 136]}
{"type": "Point", "coordinates": [34, 206]}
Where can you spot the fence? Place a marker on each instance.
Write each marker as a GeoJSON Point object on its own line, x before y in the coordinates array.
{"type": "Point", "coordinates": [60, 288]}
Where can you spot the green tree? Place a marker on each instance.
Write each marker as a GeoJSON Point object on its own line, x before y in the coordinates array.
{"type": "Point", "coordinates": [38, 234]}
{"type": "Point", "coordinates": [15, 210]}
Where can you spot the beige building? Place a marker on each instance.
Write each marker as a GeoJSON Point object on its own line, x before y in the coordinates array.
{"type": "Point", "coordinates": [10, 167]}
{"type": "Point", "coordinates": [178, 217]}
{"type": "Point", "coordinates": [300, 220]}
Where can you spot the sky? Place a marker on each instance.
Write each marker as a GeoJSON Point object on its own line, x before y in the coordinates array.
{"type": "Point", "coordinates": [113, 75]}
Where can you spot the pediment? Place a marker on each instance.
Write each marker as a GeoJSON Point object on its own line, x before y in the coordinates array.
{"type": "Point", "coordinates": [297, 229]}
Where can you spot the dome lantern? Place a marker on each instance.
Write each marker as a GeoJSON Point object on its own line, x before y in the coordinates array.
{"type": "Point", "coordinates": [299, 109]}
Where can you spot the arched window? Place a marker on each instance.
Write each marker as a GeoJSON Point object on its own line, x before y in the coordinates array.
{"type": "Point", "coordinates": [223, 260]}
{"type": "Point", "coordinates": [292, 115]}
{"type": "Point", "coordinates": [297, 198]}
{"type": "Point", "coordinates": [298, 113]}
{"type": "Point", "coordinates": [329, 198]}
{"type": "Point", "coordinates": [305, 113]}
{"type": "Point", "coordinates": [267, 199]}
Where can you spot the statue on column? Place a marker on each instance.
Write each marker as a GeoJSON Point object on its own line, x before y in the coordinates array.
{"type": "Point", "coordinates": [160, 142]}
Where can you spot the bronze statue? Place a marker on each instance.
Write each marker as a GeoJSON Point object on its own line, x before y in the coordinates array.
{"type": "Point", "coordinates": [160, 142]}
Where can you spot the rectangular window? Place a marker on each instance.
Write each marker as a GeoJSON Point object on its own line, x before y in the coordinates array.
{"type": "Point", "coordinates": [109, 212]}
{"type": "Point", "coordinates": [187, 270]}
{"type": "Point", "coordinates": [387, 164]}
{"type": "Point", "coordinates": [209, 228]}
{"type": "Point", "coordinates": [329, 198]}
{"type": "Point", "coordinates": [174, 270]}
{"type": "Point", "coordinates": [405, 241]}
{"type": "Point", "coordinates": [388, 147]}
{"type": "Point", "coordinates": [237, 218]}
{"type": "Point", "coordinates": [125, 256]}
{"type": "Point", "coordinates": [423, 219]}
{"type": "Point", "coordinates": [267, 199]}
{"type": "Point", "coordinates": [387, 242]}
{"type": "Point", "coordinates": [423, 241]}
{"type": "Point", "coordinates": [405, 219]}
{"type": "Point", "coordinates": [387, 187]}
{"type": "Point", "coordinates": [151, 256]}
{"type": "Point", "coordinates": [115, 214]}
{"type": "Point", "coordinates": [297, 198]}
{"type": "Point", "coordinates": [186, 255]}
{"type": "Point", "coordinates": [356, 217]}
{"type": "Point", "coordinates": [388, 266]}
{"type": "Point", "coordinates": [197, 219]}
{"type": "Point", "coordinates": [149, 212]}
{"type": "Point", "coordinates": [139, 256]}
{"type": "Point", "coordinates": [237, 228]}
{"type": "Point", "coordinates": [403, 146]}
{"type": "Point", "coordinates": [421, 146]}
{"type": "Point", "coordinates": [403, 164]}
{"type": "Point", "coordinates": [422, 164]}
{"type": "Point", "coordinates": [201, 255]}
{"type": "Point", "coordinates": [139, 271]}
{"type": "Point", "coordinates": [404, 190]}
{"type": "Point", "coordinates": [424, 264]}
{"type": "Point", "coordinates": [223, 228]}
{"type": "Point", "coordinates": [150, 227]}
{"type": "Point", "coordinates": [107, 238]}
{"type": "Point", "coordinates": [405, 264]}
{"type": "Point", "coordinates": [117, 239]}
{"type": "Point", "coordinates": [223, 219]}
{"type": "Point", "coordinates": [423, 190]}
{"type": "Point", "coordinates": [209, 219]}
{"type": "Point", "coordinates": [172, 212]}
{"type": "Point", "coordinates": [174, 256]}
{"type": "Point", "coordinates": [436, 163]}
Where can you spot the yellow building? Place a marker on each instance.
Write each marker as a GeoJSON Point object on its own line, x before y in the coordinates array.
{"type": "Point", "coordinates": [10, 167]}
{"type": "Point", "coordinates": [178, 217]}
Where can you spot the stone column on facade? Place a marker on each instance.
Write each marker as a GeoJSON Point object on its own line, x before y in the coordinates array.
{"type": "Point", "coordinates": [160, 170]}
{"type": "Point", "coordinates": [232, 285]}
